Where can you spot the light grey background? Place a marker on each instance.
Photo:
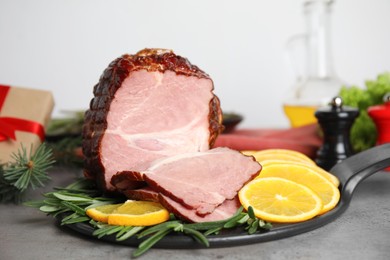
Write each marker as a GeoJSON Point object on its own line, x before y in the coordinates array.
{"type": "Point", "coordinates": [64, 45]}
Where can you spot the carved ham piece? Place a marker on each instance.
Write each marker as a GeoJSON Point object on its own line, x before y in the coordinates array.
{"type": "Point", "coordinates": [203, 180]}
{"type": "Point", "coordinates": [196, 183]}
{"type": "Point", "coordinates": [224, 211]}
{"type": "Point", "coordinates": [147, 106]}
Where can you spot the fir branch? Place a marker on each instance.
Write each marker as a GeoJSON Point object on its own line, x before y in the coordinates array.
{"type": "Point", "coordinates": [27, 172]}
{"type": "Point", "coordinates": [24, 172]}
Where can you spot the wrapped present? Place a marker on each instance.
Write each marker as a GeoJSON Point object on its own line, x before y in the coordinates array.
{"type": "Point", "coordinates": [24, 113]}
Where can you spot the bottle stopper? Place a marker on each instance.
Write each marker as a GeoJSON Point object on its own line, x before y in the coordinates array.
{"type": "Point", "coordinates": [335, 121]}
{"type": "Point", "coordinates": [380, 114]}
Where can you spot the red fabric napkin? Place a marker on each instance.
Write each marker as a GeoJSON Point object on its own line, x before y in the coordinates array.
{"type": "Point", "coordinates": [305, 139]}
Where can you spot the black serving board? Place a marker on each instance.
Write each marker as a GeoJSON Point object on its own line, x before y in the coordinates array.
{"type": "Point", "coordinates": [351, 173]}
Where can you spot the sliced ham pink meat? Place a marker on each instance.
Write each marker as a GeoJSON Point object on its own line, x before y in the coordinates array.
{"type": "Point", "coordinates": [224, 211]}
{"type": "Point", "coordinates": [201, 181]}
{"type": "Point", "coordinates": [145, 193]}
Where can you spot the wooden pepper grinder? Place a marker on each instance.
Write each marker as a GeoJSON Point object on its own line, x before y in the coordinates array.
{"type": "Point", "coordinates": [381, 116]}
{"type": "Point", "coordinates": [336, 122]}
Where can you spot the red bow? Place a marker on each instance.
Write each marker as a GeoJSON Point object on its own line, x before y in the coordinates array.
{"type": "Point", "coordinates": [8, 125]}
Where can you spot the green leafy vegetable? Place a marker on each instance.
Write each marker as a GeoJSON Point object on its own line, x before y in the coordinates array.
{"type": "Point", "coordinates": [363, 132]}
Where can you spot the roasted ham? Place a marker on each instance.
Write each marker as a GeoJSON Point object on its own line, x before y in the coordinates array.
{"type": "Point", "coordinates": [148, 106]}
{"type": "Point", "coordinates": [148, 134]}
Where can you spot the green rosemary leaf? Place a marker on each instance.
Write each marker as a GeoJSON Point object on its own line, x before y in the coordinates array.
{"type": "Point", "coordinates": [129, 233]}
{"type": "Point", "coordinates": [123, 230]}
{"type": "Point", "coordinates": [73, 207]}
{"type": "Point", "coordinates": [51, 201]}
{"type": "Point", "coordinates": [251, 213]}
{"type": "Point", "coordinates": [253, 227]}
{"type": "Point", "coordinates": [233, 221]}
{"type": "Point", "coordinates": [75, 220]}
{"type": "Point", "coordinates": [70, 216]}
{"type": "Point", "coordinates": [243, 219]}
{"type": "Point", "coordinates": [265, 225]}
{"type": "Point", "coordinates": [49, 209]}
{"type": "Point", "coordinates": [178, 228]}
{"type": "Point", "coordinates": [166, 225]}
{"type": "Point", "coordinates": [212, 231]}
{"type": "Point", "coordinates": [148, 243]}
{"type": "Point", "coordinates": [72, 197]}
{"type": "Point", "coordinates": [106, 230]}
{"type": "Point", "coordinates": [197, 236]}
{"type": "Point", "coordinates": [213, 224]}
{"type": "Point", "coordinates": [55, 214]}
{"type": "Point", "coordinates": [115, 230]}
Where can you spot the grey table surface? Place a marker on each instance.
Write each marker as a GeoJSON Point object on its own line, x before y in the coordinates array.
{"type": "Point", "coordinates": [362, 232]}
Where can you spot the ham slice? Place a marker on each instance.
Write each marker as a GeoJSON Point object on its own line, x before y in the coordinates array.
{"type": "Point", "coordinates": [145, 193]}
{"type": "Point", "coordinates": [201, 181]}
{"type": "Point", "coordinates": [224, 211]}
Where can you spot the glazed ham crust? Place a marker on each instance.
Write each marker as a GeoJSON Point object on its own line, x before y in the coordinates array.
{"type": "Point", "coordinates": [95, 123]}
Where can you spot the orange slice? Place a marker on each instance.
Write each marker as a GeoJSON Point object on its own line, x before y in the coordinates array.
{"type": "Point", "coordinates": [309, 177]}
{"type": "Point", "coordinates": [101, 213]}
{"type": "Point", "coordinates": [280, 200]}
{"type": "Point", "coordinates": [138, 213]}
{"type": "Point", "coordinates": [330, 177]}
{"type": "Point", "coordinates": [279, 154]}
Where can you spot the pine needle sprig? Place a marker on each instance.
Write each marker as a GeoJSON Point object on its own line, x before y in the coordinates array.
{"type": "Point", "coordinates": [31, 171]}
{"type": "Point", "coordinates": [26, 170]}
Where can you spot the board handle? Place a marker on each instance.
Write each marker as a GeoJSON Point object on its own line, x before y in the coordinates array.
{"type": "Point", "coordinates": [353, 170]}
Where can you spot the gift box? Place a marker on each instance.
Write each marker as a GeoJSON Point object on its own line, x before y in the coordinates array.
{"type": "Point", "coordinates": [24, 114]}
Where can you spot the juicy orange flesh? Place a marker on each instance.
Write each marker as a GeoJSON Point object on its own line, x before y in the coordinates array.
{"type": "Point", "coordinates": [101, 213]}
{"type": "Point", "coordinates": [330, 177]}
{"type": "Point", "coordinates": [138, 213]}
{"type": "Point", "coordinates": [303, 175]}
{"type": "Point", "coordinates": [281, 199]}
{"type": "Point", "coordinates": [138, 208]}
{"type": "Point", "coordinates": [279, 154]}
{"type": "Point", "coordinates": [107, 209]}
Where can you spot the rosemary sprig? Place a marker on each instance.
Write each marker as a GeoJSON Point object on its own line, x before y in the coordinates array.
{"type": "Point", "coordinates": [75, 198]}
{"type": "Point", "coordinates": [24, 172]}
{"type": "Point", "coordinates": [81, 195]}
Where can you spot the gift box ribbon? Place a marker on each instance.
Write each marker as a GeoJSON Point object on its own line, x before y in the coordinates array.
{"type": "Point", "coordinates": [8, 125]}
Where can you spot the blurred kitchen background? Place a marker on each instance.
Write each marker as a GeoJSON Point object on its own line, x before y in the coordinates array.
{"type": "Point", "coordinates": [64, 45]}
